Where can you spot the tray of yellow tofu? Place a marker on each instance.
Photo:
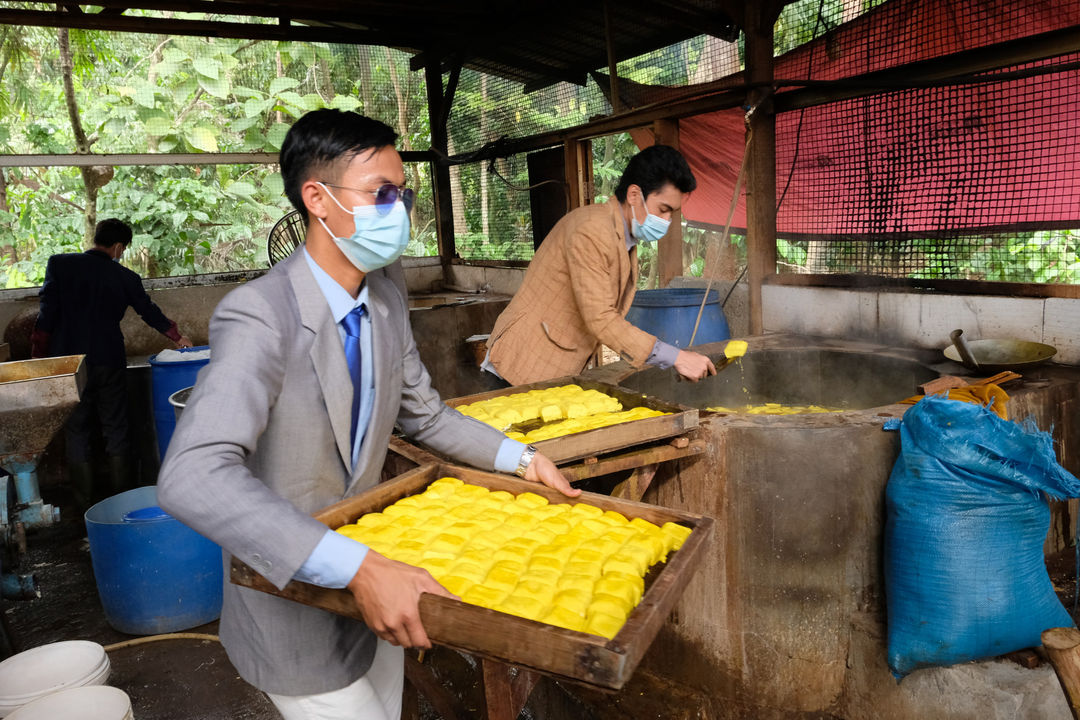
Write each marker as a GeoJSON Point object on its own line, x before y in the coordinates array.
{"type": "Point", "coordinates": [574, 417]}
{"type": "Point", "coordinates": [576, 588]}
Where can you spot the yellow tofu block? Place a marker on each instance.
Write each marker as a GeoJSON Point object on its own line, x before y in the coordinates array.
{"type": "Point", "coordinates": [522, 606]}
{"type": "Point", "coordinates": [515, 435]}
{"type": "Point", "coordinates": [540, 534]}
{"type": "Point", "coordinates": [514, 553]}
{"type": "Point", "coordinates": [603, 625]}
{"type": "Point", "coordinates": [735, 348]}
{"type": "Point", "coordinates": [586, 509]}
{"type": "Point", "coordinates": [561, 617]}
{"type": "Point", "coordinates": [588, 555]}
{"type": "Point", "coordinates": [617, 517]}
{"type": "Point", "coordinates": [618, 587]}
{"type": "Point", "coordinates": [549, 413]}
{"type": "Point", "coordinates": [501, 495]}
{"type": "Point", "coordinates": [573, 581]}
{"type": "Point", "coordinates": [456, 584]}
{"type": "Point", "coordinates": [576, 410]}
{"type": "Point", "coordinates": [469, 571]}
{"type": "Point", "coordinates": [502, 578]}
{"type": "Point", "coordinates": [409, 557]}
{"type": "Point", "coordinates": [676, 533]}
{"type": "Point", "coordinates": [352, 531]}
{"type": "Point", "coordinates": [589, 569]}
{"type": "Point", "coordinates": [555, 524]}
{"type": "Point", "coordinates": [554, 550]}
{"type": "Point", "coordinates": [410, 546]}
{"type": "Point", "coordinates": [546, 562]}
{"type": "Point", "coordinates": [448, 542]}
{"type": "Point", "coordinates": [371, 520]}
{"type": "Point", "coordinates": [621, 562]}
{"type": "Point", "coordinates": [643, 524]}
{"type": "Point", "coordinates": [437, 566]}
{"type": "Point", "coordinates": [530, 500]}
{"type": "Point", "coordinates": [573, 600]}
{"type": "Point", "coordinates": [464, 511]}
{"type": "Point", "coordinates": [519, 522]}
{"type": "Point", "coordinates": [484, 596]}
{"type": "Point", "coordinates": [544, 575]}
{"type": "Point", "coordinates": [609, 605]}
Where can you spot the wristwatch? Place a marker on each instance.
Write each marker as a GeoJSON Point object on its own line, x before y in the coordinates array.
{"type": "Point", "coordinates": [527, 456]}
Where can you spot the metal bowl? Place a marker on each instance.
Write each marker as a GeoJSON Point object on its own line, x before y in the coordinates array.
{"type": "Point", "coordinates": [998, 355]}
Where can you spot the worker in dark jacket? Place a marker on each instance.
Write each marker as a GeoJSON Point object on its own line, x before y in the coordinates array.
{"type": "Point", "coordinates": [82, 302]}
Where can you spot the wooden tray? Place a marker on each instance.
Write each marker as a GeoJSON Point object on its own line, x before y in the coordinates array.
{"type": "Point", "coordinates": [606, 439]}
{"type": "Point", "coordinates": [565, 654]}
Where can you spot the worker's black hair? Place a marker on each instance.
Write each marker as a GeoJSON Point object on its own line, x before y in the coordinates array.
{"type": "Point", "coordinates": [318, 142]}
{"type": "Point", "coordinates": [111, 231]}
{"type": "Point", "coordinates": [653, 168]}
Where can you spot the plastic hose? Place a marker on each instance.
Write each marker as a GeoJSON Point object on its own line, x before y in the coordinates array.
{"type": "Point", "coordinates": [166, 636]}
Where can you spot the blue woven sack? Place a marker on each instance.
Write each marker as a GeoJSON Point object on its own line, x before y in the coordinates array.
{"type": "Point", "coordinates": [967, 514]}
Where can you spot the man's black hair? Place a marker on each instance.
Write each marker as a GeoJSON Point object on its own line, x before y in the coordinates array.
{"type": "Point", "coordinates": [653, 168]}
{"type": "Point", "coordinates": [318, 142]}
{"type": "Point", "coordinates": [111, 231]}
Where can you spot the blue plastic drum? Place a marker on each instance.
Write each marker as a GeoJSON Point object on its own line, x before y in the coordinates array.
{"type": "Point", "coordinates": [670, 314]}
{"type": "Point", "coordinates": [154, 574]}
{"type": "Point", "coordinates": [165, 379]}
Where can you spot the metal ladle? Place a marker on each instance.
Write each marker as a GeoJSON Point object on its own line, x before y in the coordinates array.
{"type": "Point", "coordinates": [966, 356]}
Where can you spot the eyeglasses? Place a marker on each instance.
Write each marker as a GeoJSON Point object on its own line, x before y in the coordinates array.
{"type": "Point", "coordinates": [385, 196]}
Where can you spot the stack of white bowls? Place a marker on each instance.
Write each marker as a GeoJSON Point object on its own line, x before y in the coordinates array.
{"type": "Point", "coordinates": [48, 669]}
{"type": "Point", "coordinates": [92, 702]}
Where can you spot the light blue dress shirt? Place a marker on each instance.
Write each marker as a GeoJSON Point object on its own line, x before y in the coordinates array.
{"type": "Point", "coordinates": [335, 560]}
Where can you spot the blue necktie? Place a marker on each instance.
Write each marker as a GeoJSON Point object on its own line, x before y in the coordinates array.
{"type": "Point", "coordinates": [351, 323]}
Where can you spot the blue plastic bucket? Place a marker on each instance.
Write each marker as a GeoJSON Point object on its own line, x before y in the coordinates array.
{"type": "Point", "coordinates": [154, 574]}
{"type": "Point", "coordinates": [670, 314]}
{"type": "Point", "coordinates": [165, 379]}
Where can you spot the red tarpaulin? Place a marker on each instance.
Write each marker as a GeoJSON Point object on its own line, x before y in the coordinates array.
{"type": "Point", "coordinates": [1002, 155]}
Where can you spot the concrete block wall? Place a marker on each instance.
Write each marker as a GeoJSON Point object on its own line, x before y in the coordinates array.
{"type": "Point", "coordinates": [923, 320]}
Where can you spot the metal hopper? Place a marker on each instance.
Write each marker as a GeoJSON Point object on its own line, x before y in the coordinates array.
{"type": "Point", "coordinates": [36, 397]}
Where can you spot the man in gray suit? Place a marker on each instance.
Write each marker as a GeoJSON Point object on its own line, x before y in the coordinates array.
{"type": "Point", "coordinates": [312, 366]}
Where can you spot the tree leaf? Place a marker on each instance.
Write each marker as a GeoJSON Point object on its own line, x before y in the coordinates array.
{"type": "Point", "coordinates": [218, 87]}
{"type": "Point", "coordinates": [202, 137]}
{"type": "Point", "coordinates": [158, 125]}
{"type": "Point", "coordinates": [207, 67]}
{"type": "Point", "coordinates": [344, 102]}
{"type": "Point", "coordinates": [276, 135]}
{"type": "Point", "coordinates": [254, 107]}
{"type": "Point", "coordinates": [281, 84]}
{"type": "Point", "coordinates": [241, 188]}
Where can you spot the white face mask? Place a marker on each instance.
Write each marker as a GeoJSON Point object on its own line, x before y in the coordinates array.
{"type": "Point", "coordinates": [377, 239]}
{"type": "Point", "coordinates": [654, 227]}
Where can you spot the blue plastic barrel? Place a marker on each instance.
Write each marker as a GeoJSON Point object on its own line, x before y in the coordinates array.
{"type": "Point", "coordinates": [165, 379]}
{"type": "Point", "coordinates": [154, 574]}
{"type": "Point", "coordinates": [670, 314]}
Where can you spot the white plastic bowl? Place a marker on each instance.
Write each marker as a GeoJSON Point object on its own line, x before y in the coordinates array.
{"type": "Point", "coordinates": [50, 668]}
{"type": "Point", "coordinates": [96, 702]}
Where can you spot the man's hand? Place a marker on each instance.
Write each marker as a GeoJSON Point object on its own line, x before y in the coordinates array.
{"type": "Point", "coordinates": [542, 470]}
{"type": "Point", "coordinates": [694, 366]}
{"type": "Point", "coordinates": [184, 342]}
{"type": "Point", "coordinates": [388, 595]}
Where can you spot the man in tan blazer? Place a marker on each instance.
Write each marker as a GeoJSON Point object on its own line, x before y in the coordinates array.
{"type": "Point", "coordinates": [582, 280]}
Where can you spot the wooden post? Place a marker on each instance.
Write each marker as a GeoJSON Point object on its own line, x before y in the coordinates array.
{"type": "Point", "coordinates": [670, 248]}
{"type": "Point", "coordinates": [761, 170]}
{"type": "Point", "coordinates": [579, 172]}
{"type": "Point", "coordinates": [1063, 648]}
{"type": "Point", "coordinates": [438, 114]}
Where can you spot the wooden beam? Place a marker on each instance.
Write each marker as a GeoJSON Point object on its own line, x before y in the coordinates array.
{"type": "Point", "coordinates": [670, 247]}
{"type": "Point", "coordinates": [1055, 43]}
{"type": "Point", "coordinates": [1063, 648]}
{"type": "Point", "coordinates": [761, 166]}
{"type": "Point", "coordinates": [612, 60]}
{"type": "Point", "coordinates": [959, 287]}
{"type": "Point", "coordinates": [438, 114]}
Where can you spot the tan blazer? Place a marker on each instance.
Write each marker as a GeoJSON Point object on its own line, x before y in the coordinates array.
{"type": "Point", "coordinates": [576, 293]}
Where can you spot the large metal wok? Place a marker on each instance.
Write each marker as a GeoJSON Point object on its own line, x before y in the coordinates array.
{"type": "Point", "coordinates": [994, 356]}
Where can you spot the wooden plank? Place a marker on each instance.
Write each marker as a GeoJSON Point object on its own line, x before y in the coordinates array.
{"type": "Point", "coordinates": [1063, 648]}
{"type": "Point", "coordinates": [565, 654]}
{"type": "Point", "coordinates": [607, 439]}
{"type": "Point", "coordinates": [633, 459]}
{"type": "Point", "coordinates": [634, 487]}
{"type": "Point", "coordinates": [425, 683]}
{"type": "Point", "coordinates": [506, 689]}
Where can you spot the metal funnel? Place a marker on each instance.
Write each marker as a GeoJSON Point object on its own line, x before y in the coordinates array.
{"type": "Point", "coordinates": [36, 397]}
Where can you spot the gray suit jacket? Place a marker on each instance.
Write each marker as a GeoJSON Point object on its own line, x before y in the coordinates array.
{"type": "Point", "coordinates": [263, 442]}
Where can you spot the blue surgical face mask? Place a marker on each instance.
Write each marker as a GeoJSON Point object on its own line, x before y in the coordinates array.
{"type": "Point", "coordinates": [654, 227]}
{"type": "Point", "coordinates": [378, 240]}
